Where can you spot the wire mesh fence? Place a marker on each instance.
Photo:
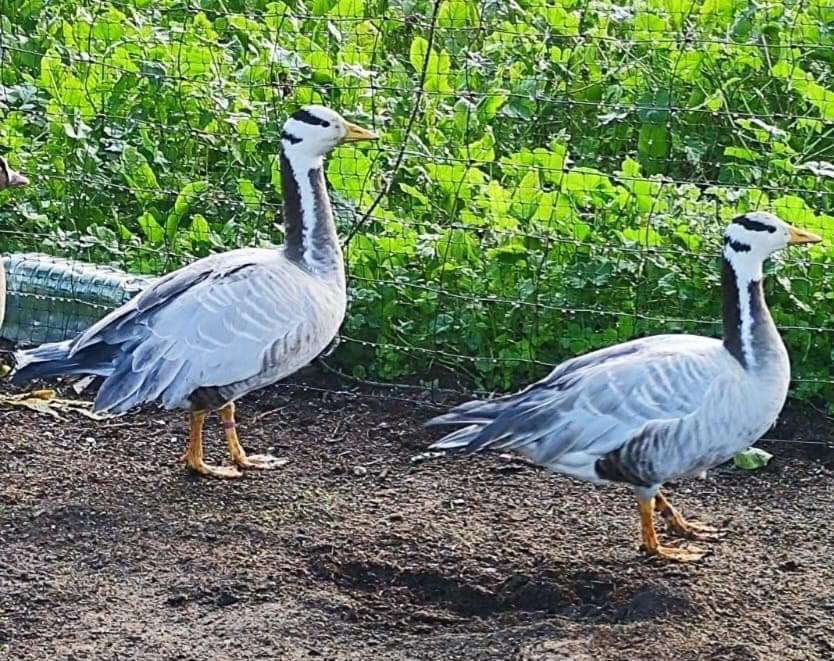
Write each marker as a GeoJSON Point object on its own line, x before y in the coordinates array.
{"type": "Point", "coordinates": [553, 176]}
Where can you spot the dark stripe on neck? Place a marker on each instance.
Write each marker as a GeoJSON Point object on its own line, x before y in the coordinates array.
{"type": "Point", "coordinates": [731, 296]}
{"type": "Point", "coordinates": [309, 118]}
{"type": "Point", "coordinates": [323, 236]}
{"type": "Point", "coordinates": [753, 225]}
{"type": "Point", "coordinates": [289, 137]}
{"type": "Point", "coordinates": [731, 312]}
{"type": "Point", "coordinates": [293, 238]}
{"type": "Point", "coordinates": [4, 174]}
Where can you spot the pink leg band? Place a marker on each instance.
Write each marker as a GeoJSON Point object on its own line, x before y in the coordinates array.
{"type": "Point", "coordinates": [228, 424]}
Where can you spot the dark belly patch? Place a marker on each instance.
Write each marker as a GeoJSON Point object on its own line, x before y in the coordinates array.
{"type": "Point", "coordinates": [209, 398]}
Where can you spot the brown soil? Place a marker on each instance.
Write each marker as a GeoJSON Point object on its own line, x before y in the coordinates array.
{"type": "Point", "coordinates": [362, 548]}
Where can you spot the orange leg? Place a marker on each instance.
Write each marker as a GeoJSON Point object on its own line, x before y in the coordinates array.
{"type": "Point", "coordinates": [239, 456]}
{"type": "Point", "coordinates": [689, 529]}
{"type": "Point", "coordinates": [651, 545]}
{"type": "Point", "coordinates": [193, 456]}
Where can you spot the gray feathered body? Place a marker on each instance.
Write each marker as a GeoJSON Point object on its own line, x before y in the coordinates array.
{"type": "Point", "coordinates": [657, 408]}
{"type": "Point", "coordinates": [209, 333]}
{"type": "Point", "coordinates": [641, 412]}
{"type": "Point", "coordinates": [204, 335]}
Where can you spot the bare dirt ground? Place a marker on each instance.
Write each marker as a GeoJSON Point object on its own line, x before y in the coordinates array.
{"type": "Point", "coordinates": [357, 550]}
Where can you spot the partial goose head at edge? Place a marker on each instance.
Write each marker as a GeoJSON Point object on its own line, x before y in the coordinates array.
{"type": "Point", "coordinates": [9, 178]}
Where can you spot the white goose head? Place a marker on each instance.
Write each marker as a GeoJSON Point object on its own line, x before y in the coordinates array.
{"type": "Point", "coordinates": [752, 237]}
{"type": "Point", "coordinates": [9, 178]}
{"type": "Point", "coordinates": [309, 230]}
{"type": "Point", "coordinates": [749, 332]}
{"type": "Point", "coordinates": [313, 131]}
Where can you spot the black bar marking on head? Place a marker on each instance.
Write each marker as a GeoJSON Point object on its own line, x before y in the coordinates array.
{"type": "Point", "coordinates": [5, 177]}
{"type": "Point", "coordinates": [738, 246]}
{"type": "Point", "coordinates": [309, 118]}
{"type": "Point", "coordinates": [289, 137]}
{"type": "Point", "coordinates": [753, 225]}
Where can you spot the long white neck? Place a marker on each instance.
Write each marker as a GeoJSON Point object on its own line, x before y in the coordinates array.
{"type": "Point", "coordinates": [310, 231]}
{"type": "Point", "coordinates": [749, 332]}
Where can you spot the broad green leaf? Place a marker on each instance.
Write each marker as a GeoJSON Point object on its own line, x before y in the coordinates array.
{"type": "Point", "coordinates": [275, 172]}
{"type": "Point", "coordinates": [562, 21]}
{"type": "Point", "coordinates": [52, 73]}
{"type": "Point", "coordinates": [139, 175]}
{"type": "Point", "coordinates": [73, 93]}
{"type": "Point", "coordinates": [585, 180]}
{"type": "Point", "coordinates": [552, 162]}
{"type": "Point", "coordinates": [742, 153]}
{"type": "Point", "coordinates": [417, 53]}
{"type": "Point", "coordinates": [653, 146]}
{"type": "Point", "coordinates": [189, 194]}
{"type": "Point", "coordinates": [321, 7]}
{"type": "Point", "coordinates": [489, 106]}
{"type": "Point", "coordinates": [248, 128]}
{"type": "Point", "coordinates": [437, 67]}
{"type": "Point", "coordinates": [195, 61]}
{"type": "Point", "coordinates": [199, 230]}
{"type": "Point", "coordinates": [644, 236]}
{"type": "Point", "coordinates": [457, 14]}
{"type": "Point", "coordinates": [482, 149]}
{"type": "Point", "coordinates": [688, 65]}
{"type": "Point", "coordinates": [456, 179]}
{"type": "Point", "coordinates": [322, 65]}
{"type": "Point", "coordinates": [459, 245]}
{"type": "Point", "coordinates": [794, 209]}
{"type": "Point", "coordinates": [248, 193]}
{"type": "Point", "coordinates": [122, 60]}
{"type": "Point", "coordinates": [497, 199]}
{"type": "Point", "coordinates": [109, 26]}
{"type": "Point", "coordinates": [650, 28]}
{"type": "Point", "coordinates": [413, 192]}
{"type": "Point", "coordinates": [243, 24]}
{"type": "Point", "coordinates": [348, 172]}
{"type": "Point", "coordinates": [348, 9]}
{"type": "Point", "coordinates": [526, 195]}
{"type": "Point", "coordinates": [151, 229]}
{"type": "Point", "coordinates": [553, 206]}
{"type": "Point", "coordinates": [630, 168]}
{"type": "Point", "coordinates": [782, 69]}
{"type": "Point", "coordinates": [360, 48]}
{"type": "Point", "coordinates": [279, 17]}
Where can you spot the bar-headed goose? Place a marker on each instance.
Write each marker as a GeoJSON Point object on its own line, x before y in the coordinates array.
{"type": "Point", "coordinates": [658, 408]}
{"type": "Point", "coordinates": [207, 334]}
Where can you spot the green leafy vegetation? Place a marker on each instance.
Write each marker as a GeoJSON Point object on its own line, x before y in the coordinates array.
{"type": "Point", "coordinates": [752, 459]}
{"type": "Point", "coordinates": [562, 188]}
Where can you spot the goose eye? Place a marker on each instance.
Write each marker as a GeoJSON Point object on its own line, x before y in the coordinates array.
{"type": "Point", "coordinates": [325, 123]}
